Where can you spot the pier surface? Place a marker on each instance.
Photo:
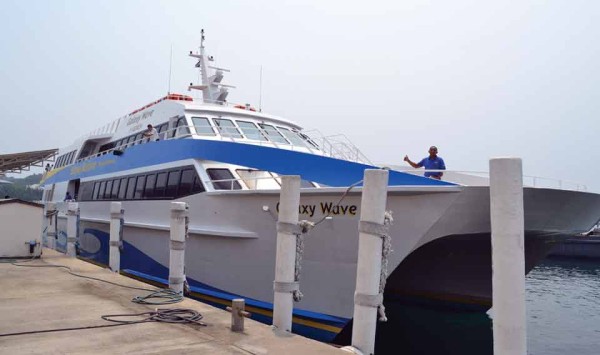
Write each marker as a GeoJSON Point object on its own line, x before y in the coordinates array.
{"type": "Point", "coordinates": [34, 299]}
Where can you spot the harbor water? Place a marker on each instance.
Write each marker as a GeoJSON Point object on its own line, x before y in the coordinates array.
{"type": "Point", "coordinates": [563, 316]}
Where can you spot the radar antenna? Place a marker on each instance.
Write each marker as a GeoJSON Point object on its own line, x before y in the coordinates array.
{"type": "Point", "coordinates": [213, 90]}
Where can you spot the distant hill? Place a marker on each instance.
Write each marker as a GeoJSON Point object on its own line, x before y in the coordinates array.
{"type": "Point", "coordinates": [18, 188]}
{"type": "Point", "coordinates": [26, 181]}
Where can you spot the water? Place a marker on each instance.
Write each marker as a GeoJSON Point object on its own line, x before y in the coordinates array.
{"type": "Point", "coordinates": [563, 317]}
{"type": "Point", "coordinates": [563, 307]}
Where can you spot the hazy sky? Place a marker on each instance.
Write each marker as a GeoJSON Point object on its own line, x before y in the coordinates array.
{"type": "Point", "coordinates": [476, 78]}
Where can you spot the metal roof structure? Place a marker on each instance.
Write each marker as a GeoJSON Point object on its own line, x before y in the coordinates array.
{"type": "Point", "coordinates": [18, 162]}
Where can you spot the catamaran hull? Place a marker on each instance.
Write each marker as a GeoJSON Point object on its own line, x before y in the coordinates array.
{"type": "Point", "coordinates": [441, 243]}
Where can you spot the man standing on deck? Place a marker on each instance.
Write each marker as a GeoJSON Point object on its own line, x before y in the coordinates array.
{"type": "Point", "coordinates": [432, 162]}
{"type": "Point", "coordinates": [151, 133]}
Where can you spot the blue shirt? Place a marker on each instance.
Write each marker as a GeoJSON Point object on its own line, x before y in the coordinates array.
{"type": "Point", "coordinates": [436, 163]}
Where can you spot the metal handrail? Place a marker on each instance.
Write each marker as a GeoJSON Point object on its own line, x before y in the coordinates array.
{"type": "Point", "coordinates": [528, 180]}
{"type": "Point", "coordinates": [337, 146]}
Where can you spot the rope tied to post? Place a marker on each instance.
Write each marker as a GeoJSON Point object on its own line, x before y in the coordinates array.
{"type": "Point", "coordinates": [299, 230]}
{"type": "Point", "coordinates": [382, 231]}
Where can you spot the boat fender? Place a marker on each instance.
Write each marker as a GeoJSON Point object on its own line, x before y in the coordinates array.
{"type": "Point", "coordinates": [372, 301]}
{"type": "Point", "coordinates": [289, 228]}
{"type": "Point", "coordinates": [287, 287]}
{"type": "Point", "coordinates": [297, 229]}
{"type": "Point", "coordinates": [177, 245]}
{"type": "Point", "coordinates": [381, 231]}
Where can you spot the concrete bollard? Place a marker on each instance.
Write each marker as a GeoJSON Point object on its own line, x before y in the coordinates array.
{"type": "Point", "coordinates": [368, 271]}
{"type": "Point", "coordinates": [238, 314]}
{"type": "Point", "coordinates": [179, 218]}
{"type": "Point", "coordinates": [508, 258]}
{"type": "Point", "coordinates": [51, 227]}
{"type": "Point", "coordinates": [285, 261]}
{"type": "Point", "coordinates": [72, 227]}
{"type": "Point", "coordinates": [116, 235]}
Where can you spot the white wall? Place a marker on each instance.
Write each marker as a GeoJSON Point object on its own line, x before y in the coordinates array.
{"type": "Point", "coordinates": [19, 223]}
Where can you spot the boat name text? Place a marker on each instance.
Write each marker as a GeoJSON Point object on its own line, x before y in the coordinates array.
{"type": "Point", "coordinates": [326, 208]}
{"type": "Point", "coordinates": [139, 117]}
{"type": "Point", "coordinates": [90, 166]}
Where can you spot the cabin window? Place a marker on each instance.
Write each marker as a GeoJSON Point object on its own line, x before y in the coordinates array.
{"type": "Point", "coordinates": [115, 189]}
{"type": "Point", "coordinates": [161, 184]}
{"type": "Point", "coordinates": [227, 128]}
{"type": "Point", "coordinates": [292, 137]}
{"type": "Point", "coordinates": [202, 126]}
{"type": "Point", "coordinates": [222, 179]}
{"type": "Point", "coordinates": [172, 183]}
{"type": "Point", "coordinates": [258, 179]}
{"type": "Point", "coordinates": [122, 189]}
{"type": "Point", "coordinates": [106, 147]}
{"type": "Point", "coordinates": [187, 181]}
{"type": "Point", "coordinates": [130, 188]}
{"type": "Point", "coordinates": [95, 193]}
{"type": "Point", "coordinates": [162, 131]}
{"type": "Point", "coordinates": [251, 131]}
{"type": "Point", "coordinates": [108, 191]}
{"type": "Point", "coordinates": [197, 185]}
{"type": "Point", "coordinates": [139, 187]}
{"type": "Point", "coordinates": [181, 128]}
{"type": "Point", "coordinates": [100, 195]}
{"type": "Point", "coordinates": [273, 133]}
{"type": "Point", "coordinates": [86, 192]}
{"type": "Point", "coordinates": [149, 191]}
{"type": "Point", "coordinates": [87, 149]}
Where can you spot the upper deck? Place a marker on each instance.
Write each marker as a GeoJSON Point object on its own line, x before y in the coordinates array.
{"type": "Point", "coordinates": [211, 117]}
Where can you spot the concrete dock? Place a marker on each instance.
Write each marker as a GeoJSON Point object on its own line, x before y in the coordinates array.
{"type": "Point", "coordinates": [45, 298]}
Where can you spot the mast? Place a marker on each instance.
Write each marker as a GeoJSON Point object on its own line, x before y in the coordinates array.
{"type": "Point", "coordinates": [213, 91]}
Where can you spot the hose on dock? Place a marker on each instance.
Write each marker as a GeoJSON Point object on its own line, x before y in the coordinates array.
{"type": "Point", "coordinates": [166, 296]}
{"type": "Point", "coordinates": [175, 315]}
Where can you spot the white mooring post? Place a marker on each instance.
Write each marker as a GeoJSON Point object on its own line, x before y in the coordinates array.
{"type": "Point", "coordinates": [51, 225]}
{"type": "Point", "coordinates": [284, 285]}
{"type": "Point", "coordinates": [116, 236]}
{"type": "Point", "coordinates": [179, 221]}
{"type": "Point", "coordinates": [508, 258]}
{"type": "Point", "coordinates": [72, 227]}
{"type": "Point", "coordinates": [368, 272]}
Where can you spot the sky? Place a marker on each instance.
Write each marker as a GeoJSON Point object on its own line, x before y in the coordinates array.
{"type": "Point", "coordinates": [478, 79]}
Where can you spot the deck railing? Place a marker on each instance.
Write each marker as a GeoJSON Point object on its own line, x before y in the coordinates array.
{"type": "Point", "coordinates": [483, 176]}
{"type": "Point", "coordinates": [338, 146]}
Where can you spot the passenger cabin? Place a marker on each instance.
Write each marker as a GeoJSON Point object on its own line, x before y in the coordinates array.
{"type": "Point", "coordinates": [180, 117]}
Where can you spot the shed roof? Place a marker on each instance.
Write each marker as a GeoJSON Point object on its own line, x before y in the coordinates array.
{"type": "Point", "coordinates": [16, 200]}
{"type": "Point", "coordinates": [17, 162]}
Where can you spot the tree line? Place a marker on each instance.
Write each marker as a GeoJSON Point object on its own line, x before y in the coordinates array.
{"type": "Point", "coordinates": [19, 188]}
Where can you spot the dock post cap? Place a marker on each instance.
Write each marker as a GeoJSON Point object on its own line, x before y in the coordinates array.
{"type": "Point", "coordinates": [179, 206]}
{"type": "Point", "coordinates": [115, 207]}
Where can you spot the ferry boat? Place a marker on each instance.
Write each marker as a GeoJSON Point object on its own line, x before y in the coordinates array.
{"type": "Point", "coordinates": [226, 161]}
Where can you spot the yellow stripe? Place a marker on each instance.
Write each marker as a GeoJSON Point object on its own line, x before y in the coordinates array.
{"type": "Point", "coordinates": [264, 312]}
{"type": "Point", "coordinates": [51, 173]}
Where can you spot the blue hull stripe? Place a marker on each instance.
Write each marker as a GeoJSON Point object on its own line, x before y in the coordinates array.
{"type": "Point", "coordinates": [324, 170]}
{"type": "Point", "coordinates": [140, 265]}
